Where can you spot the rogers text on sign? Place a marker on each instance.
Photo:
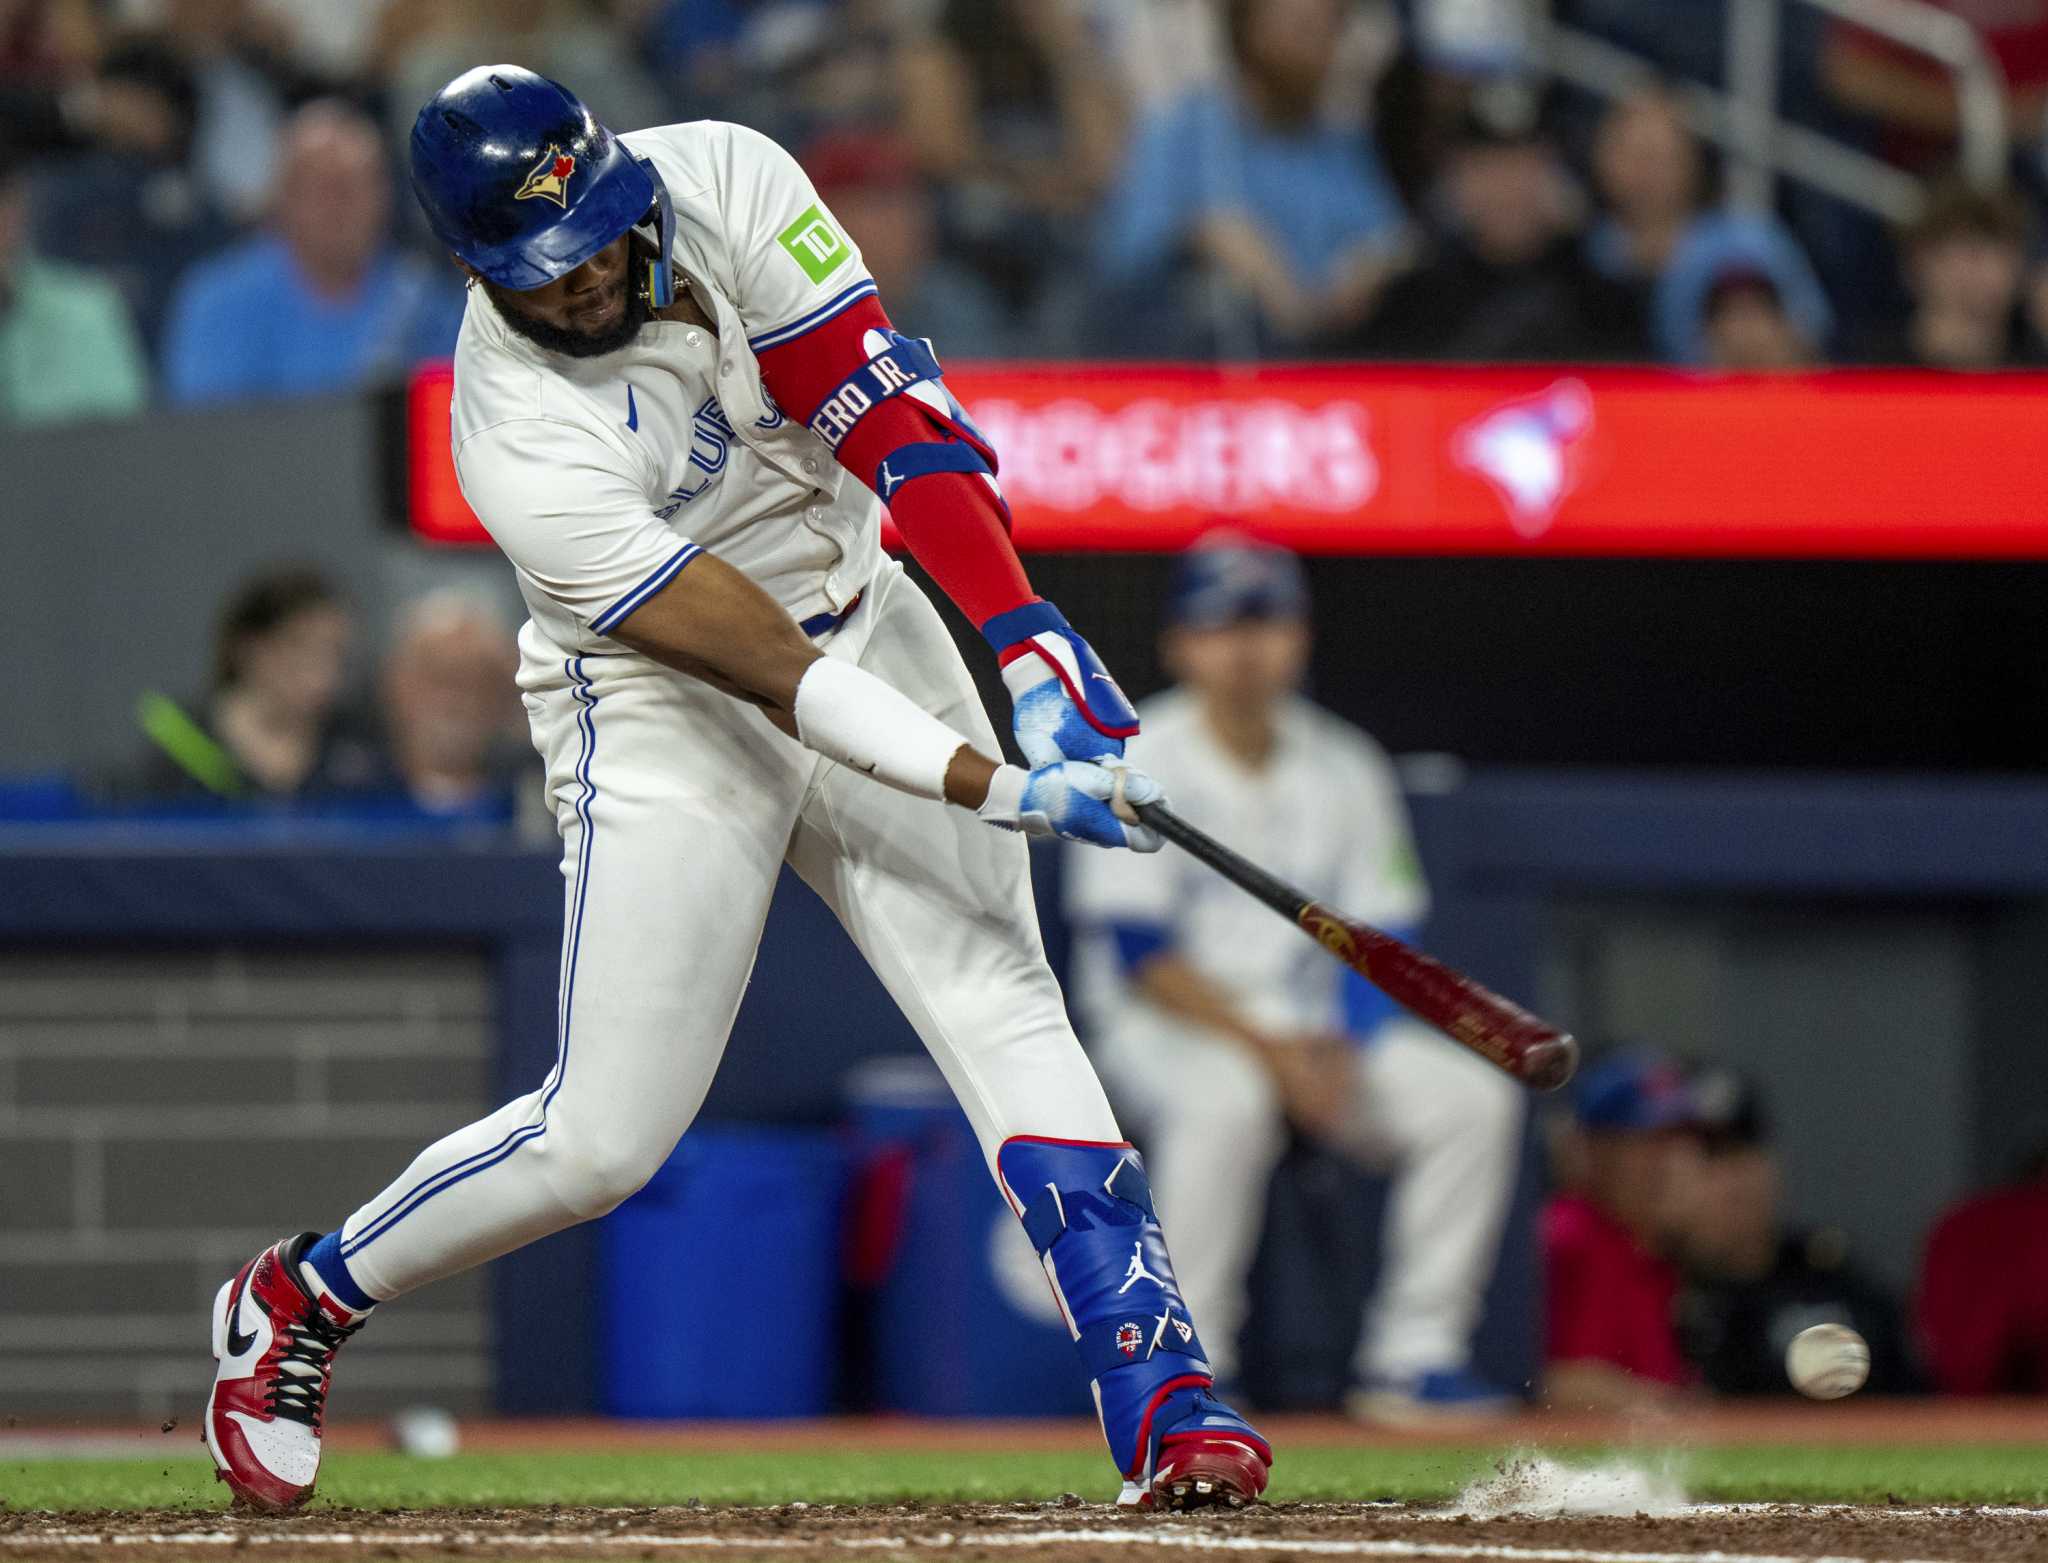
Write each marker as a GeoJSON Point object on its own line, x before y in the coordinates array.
{"type": "Point", "coordinates": [1227, 456]}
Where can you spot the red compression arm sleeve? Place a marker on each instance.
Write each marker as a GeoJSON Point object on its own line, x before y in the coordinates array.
{"type": "Point", "coordinates": [954, 526]}
{"type": "Point", "coordinates": [952, 521]}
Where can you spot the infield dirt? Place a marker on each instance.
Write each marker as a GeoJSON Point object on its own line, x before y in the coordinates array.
{"type": "Point", "coordinates": [1067, 1531]}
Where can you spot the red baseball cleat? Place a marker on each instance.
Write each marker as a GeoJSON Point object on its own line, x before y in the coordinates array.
{"type": "Point", "coordinates": [1197, 1470]}
{"type": "Point", "coordinates": [275, 1333]}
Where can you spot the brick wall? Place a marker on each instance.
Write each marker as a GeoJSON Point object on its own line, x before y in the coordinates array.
{"type": "Point", "coordinates": [164, 1114]}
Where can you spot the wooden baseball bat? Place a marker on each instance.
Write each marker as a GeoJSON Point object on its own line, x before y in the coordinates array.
{"type": "Point", "coordinates": [1533, 1051]}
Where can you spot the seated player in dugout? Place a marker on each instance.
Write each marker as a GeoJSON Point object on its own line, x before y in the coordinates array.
{"type": "Point", "coordinates": [678, 408]}
{"type": "Point", "coordinates": [1749, 1280]}
{"type": "Point", "coordinates": [1217, 1024]}
{"type": "Point", "coordinates": [1610, 1292]}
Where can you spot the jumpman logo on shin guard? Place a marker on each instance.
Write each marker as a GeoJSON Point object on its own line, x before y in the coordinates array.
{"type": "Point", "coordinates": [1137, 1272]}
{"type": "Point", "coordinates": [1092, 1222]}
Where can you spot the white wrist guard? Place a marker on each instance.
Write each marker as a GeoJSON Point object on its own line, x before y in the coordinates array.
{"type": "Point", "coordinates": [864, 724]}
{"type": "Point", "coordinates": [1005, 802]}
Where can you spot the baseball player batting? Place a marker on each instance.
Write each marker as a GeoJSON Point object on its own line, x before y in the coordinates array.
{"type": "Point", "coordinates": [678, 407]}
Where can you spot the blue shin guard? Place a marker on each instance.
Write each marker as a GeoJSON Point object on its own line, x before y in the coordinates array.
{"type": "Point", "coordinates": [1088, 1211]}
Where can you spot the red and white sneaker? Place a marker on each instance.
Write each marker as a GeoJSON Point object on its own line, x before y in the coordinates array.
{"type": "Point", "coordinates": [1208, 1456]}
{"type": "Point", "coordinates": [275, 1332]}
{"type": "Point", "coordinates": [1197, 1471]}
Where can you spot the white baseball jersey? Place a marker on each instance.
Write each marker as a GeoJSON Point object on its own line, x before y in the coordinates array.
{"type": "Point", "coordinates": [1325, 814]}
{"type": "Point", "coordinates": [678, 805]}
{"type": "Point", "coordinates": [601, 478]}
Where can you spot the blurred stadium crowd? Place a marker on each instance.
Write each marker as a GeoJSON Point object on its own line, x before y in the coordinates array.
{"type": "Point", "coordinates": [200, 199]}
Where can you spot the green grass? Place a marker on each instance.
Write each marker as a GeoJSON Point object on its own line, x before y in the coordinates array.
{"type": "Point", "coordinates": [1984, 1473]}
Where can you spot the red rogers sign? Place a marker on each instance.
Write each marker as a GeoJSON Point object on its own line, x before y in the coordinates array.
{"type": "Point", "coordinates": [1154, 456]}
{"type": "Point", "coordinates": [1518, 461]}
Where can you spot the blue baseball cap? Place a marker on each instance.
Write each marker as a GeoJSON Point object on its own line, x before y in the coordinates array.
{"type": "Point", "coordinates": [1228, 577]}
{"type": "Point", "coordinates": [1632, 1092]}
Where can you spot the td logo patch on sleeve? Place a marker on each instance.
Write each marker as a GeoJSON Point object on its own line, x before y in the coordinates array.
{"type": "Point", "coordinates": [814, 244]}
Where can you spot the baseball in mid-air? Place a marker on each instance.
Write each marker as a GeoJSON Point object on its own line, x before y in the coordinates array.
{"type": "Point", "coordinates": [1827, 1361]}
{"type": "Point", "coordinates": [425, 1433]}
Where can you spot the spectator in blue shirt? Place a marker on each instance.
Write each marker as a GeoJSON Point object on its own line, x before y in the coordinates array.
{"type": "Point", "coordinates": [322, 303]}
{"type": "Point", "coordinates": [1293, 213]}
{"type": "Point", "coordinates": [1660, 236]}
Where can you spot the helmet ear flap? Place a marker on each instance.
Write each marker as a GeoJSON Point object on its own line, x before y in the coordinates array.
{"type": "Point", "coordinates": [658, 227]}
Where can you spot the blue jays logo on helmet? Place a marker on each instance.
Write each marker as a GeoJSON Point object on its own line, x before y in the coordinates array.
{"type": "Point", "coordinates": [520, 180]}
{"type": "Point", "coordinates": [549, 180]}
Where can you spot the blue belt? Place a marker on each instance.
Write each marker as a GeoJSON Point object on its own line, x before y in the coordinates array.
{"type": "Point", "coordinates": [828, 621]}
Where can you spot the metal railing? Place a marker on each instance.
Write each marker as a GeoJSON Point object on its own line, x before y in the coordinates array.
{"type": "Point", "coordinates": [1744, 120]}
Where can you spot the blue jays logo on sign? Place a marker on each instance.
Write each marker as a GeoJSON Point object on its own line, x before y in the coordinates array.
{"type": "Point", "coordinates": [1531, 452]}
{"type": "Point", "coordinates": [1129, 1338]}
{"type": "Point", "coordinates": [548, 180]}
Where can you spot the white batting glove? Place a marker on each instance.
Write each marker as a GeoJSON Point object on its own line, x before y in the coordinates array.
{"type": "Point", "coordinates": [1076, 800]}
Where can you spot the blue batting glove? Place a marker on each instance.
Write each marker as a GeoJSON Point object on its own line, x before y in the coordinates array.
{"type": "Point", "coordinates": [1076, 801]}
{"type": "Point", "coordinates": [1063, 703]}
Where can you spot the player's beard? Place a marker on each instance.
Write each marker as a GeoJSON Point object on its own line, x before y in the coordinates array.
{"type": "Point", "coordinates": [576, 344]}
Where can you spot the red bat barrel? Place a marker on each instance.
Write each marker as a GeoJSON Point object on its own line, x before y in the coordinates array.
{"type": "Point", "coordinates": [1504, 1034]}
{"type": "Point", "coordinates": [1536, 1053]}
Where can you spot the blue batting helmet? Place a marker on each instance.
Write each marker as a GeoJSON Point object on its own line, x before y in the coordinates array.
{"type": "Point", "coordinates": [524, 185]}
{"type": "Point", "coordinates": [1227, 577]}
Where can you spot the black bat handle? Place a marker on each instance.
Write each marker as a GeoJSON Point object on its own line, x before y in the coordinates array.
{"type": "Point", "coordinates": [1245, 874]}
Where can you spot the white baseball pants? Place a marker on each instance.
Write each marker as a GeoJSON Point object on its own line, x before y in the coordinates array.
{"type": "Point", "coordinates": [1446, 1126]}
{"type": "Point", "coordinates": [677, 807]}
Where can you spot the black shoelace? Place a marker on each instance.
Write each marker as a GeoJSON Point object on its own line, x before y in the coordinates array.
{"type": "Point", "coordinates": [298, 1393]}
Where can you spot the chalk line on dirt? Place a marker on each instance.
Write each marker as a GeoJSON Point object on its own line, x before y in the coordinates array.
{"type": "Point", "coordinates": [1192, 1541]}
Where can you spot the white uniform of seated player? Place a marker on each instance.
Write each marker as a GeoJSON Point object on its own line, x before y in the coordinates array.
{"type": "Point", "coordinates": [1216, 1022]}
